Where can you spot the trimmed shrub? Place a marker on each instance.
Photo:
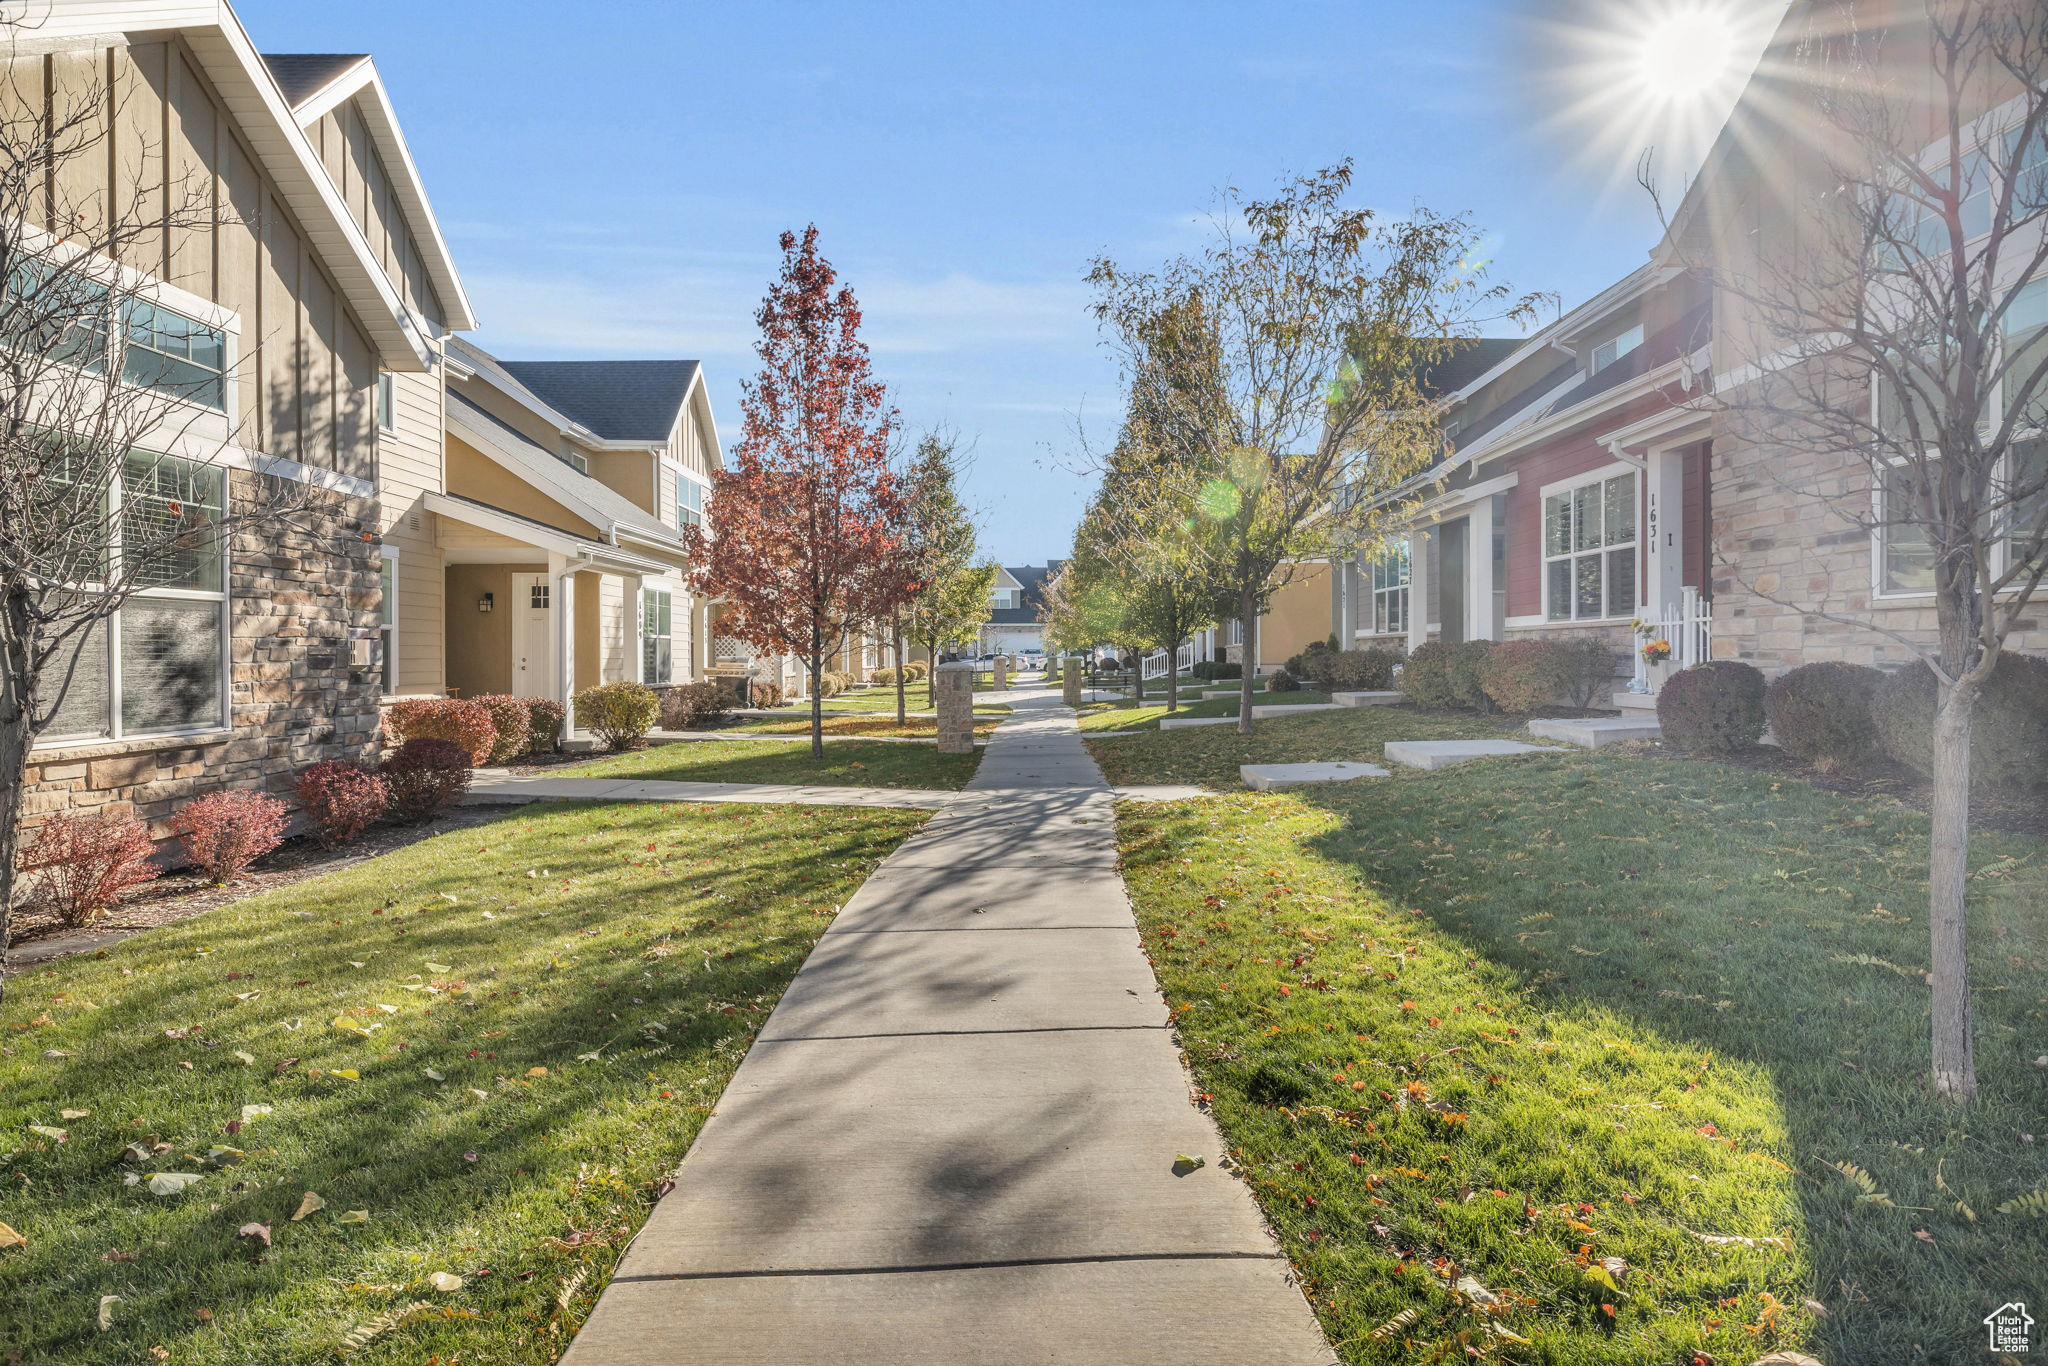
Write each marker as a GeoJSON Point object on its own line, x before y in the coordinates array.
{"type": "Point", "coordinates": [1425, 679]}
{"type": "Point", "coordinates": [458, 720]}
{"type": "Point", "coordinates": [544, 717]}
{"type": "Point", "coordinates": [341, 799]}
{"type": "Point", "coordinates": [1462, 669]}
{"type": "Point", "coordinates": [1822, 711]}
{"type": "Point", "coordinates": [1303, 665]}
{"type": "Point", "coordinates": [1525, 675]}
{"type": "Point", "coordinates": [1280, 680]}
{"type": "Point", "coordinates": [511, 716]}
{"type": "Point", "coordinates": [689, 705]}
{"type": "Point", "coordinates": [423, 776]}
{"type": "Point", "coordinates": [917, 671]}
{"type": "Point", "coordinates": [224, 832]}
{"type": "Point", "coordinates": [620, 714]}
{"type": "Point", "coordinates": [885, 678]}
{"type": "Point", "coordinates": [2009, 730]}
{"type": "Point", "coordinates": [1713, 708]}
{"type": "Point", "coordinates": [764, 694]}
{"type": "Point", "coordinates": [1588, 669]}
{"type": "Point", "coordinates": [1227, 671]}
{"type": "Point", "coordinates": [81, 863]}
{"type": "Point", "coordinates": [1368, 670]}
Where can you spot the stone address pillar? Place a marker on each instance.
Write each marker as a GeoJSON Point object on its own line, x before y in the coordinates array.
{"type": "Point", "coordinates": [1002, 667]}
{"type": "Point", "coordinates": [1070, 685]}
{"type": "Point", "coordinates": [1052, 669]}
{"type": "Point", "coordinates": [955, 684]}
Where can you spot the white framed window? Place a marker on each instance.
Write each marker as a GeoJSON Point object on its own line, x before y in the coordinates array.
{"type": "Point", "coordinates": [1589, 548]}
{"type": "Point", "coordinates": [159, 665]}
{"type": "Point", "coordinates": [689, 501]}
{"type": "Point", "coordinates": [387, 402]}
{"type": "Point", "coordinates": [1902, 561]}
{"type": "Point", "coordinates": [1614, 348]}
{"type": "Point", "coordinates": [1389, 576]}
{"type": "Point", "coordinates": [156, 347]}
{"type": "Point", "coordinates": [387, 621]}
{"type": "Point", "coordinates": [657, 636]}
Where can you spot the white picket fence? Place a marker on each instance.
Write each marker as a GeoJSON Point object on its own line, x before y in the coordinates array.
{"type": "Point", "coordinates": [1159, 663]}
{"type": "Point", "coordinates": [1689, 625]}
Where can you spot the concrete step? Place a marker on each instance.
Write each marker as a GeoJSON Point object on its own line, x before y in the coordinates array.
{"type": "Point", "coordinates": [1435, 754]}
{"type": "Point", "coordinates": [1624, 700]}
{"type": "Point", "coordinates": [1597, 732]}
{"type": "Point", "coordinates": [1365, 699]}
{"type": "Point", "coordinates": [1273, 777]}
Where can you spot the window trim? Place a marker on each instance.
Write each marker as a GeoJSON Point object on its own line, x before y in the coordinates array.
{"type": "Point", "coordinates": [116, 729]}
{"type": "Point", "coordinates": [387, 630]}
{"type": "Point", "coordinates": [386, 402]}
{"type": "Point", "coordinates": [647, 592]}
{"type": "Point", "coordinates": [1633, 334]}
{"type": "Point", "coordinates": [1404, 590]}
{"type": "Point", "coordinates": [1544, 559]}
{"type": "Point", "coordinates": [702, 514]}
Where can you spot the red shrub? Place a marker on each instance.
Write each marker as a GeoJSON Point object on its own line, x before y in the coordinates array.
{"type": "Point", "coordinates": [513, 718]}
{"type": "Point", "coordinates": [81, 862]}
{"type": "Point", "coordinates": [1526, 674]}
{"type": "Point", "coordinates": [454, 719]}
{"type": "Point", "coordinates": [224, 832]}
{"type": "Point", "coordinates": [544, 724]}
{"type": "Point", "coordinates": [341, 799]}
{"type": "Point", "coordinates": [424, 776]}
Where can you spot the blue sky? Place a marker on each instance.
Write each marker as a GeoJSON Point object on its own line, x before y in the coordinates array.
{"type": "Point", "coordinates": [612, 176]}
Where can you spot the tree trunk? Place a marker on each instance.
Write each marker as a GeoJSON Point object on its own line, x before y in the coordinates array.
{"type": "Point", "coordinates": [17, 687]}
{"type": "Point", "coordinates": [1248, 616]}
{"type": "Point", "coordinates": [901, 686]}
{"type": "Point", "coordinates": [1137, 674]}
{"type": "Point", "coordinates": [817, 663]}
{"type": "Point", "coordinates": [1948, 872]}
{"type": "Point", "coordinates": [1173, 680]}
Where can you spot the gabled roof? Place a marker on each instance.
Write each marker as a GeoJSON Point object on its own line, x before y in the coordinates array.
{"type": "Point", "coordinates": [302, 75]}
{"type": "Point", "coordinates": [314, 83]}
{"type": "Point", "coordinates": [620, 400]}
{"type": "Point", "coordinates": [1468, 361]}
{"type": "Point", "coordinates": [1031, 579]}
{"type": "Point", "coordinates": [516, 453]}
{"type": "Point", "coordinates": [257, 103]}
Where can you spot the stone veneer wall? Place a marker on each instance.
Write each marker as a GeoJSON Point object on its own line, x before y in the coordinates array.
{"type": "Point", "coordinates": [1772, 543]}
{"type": "Point", "coordinates": [300, 596]}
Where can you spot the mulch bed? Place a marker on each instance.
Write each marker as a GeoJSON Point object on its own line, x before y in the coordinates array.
{"type": "Point", "coordinates": [182, 894]}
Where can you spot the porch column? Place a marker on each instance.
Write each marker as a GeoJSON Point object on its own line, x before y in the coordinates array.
{"type": "Point", "coordinates": [1663, 532]}
{"type": "Point", "coordinates": [1479, 585]}
{"type": "Point", "coordinates": [1421, 599]}
{"type": "Point", "coordinates": [635, 622]}
{"type": "Point", "coordinates": [1351, 590]}
{"type": "Point", "coordinates": [562, 621]}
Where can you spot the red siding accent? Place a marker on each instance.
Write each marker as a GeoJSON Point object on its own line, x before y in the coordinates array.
{"type": "Point", "coordinates": [1547, 463]}
{"type": "Point", "coordinates": [1693, 520]}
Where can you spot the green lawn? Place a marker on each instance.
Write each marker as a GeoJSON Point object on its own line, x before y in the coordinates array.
{"type": "Point", "coordinates": [847, 763]}
{"type": "Point", "coordinates": [884, 700]}
{"type": "Point", "coordinates": [1210, 755]}
{"type": "Point", "coordinates": [482, 1052]}
{"type": "Point", "coordinates": [1132, 715]}
{"type": "Point", "coordinates": [914, 727]}
{"type": "Point", "coordinates": [1473, 1034]}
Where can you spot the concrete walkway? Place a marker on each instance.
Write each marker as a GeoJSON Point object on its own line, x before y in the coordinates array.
{"type": "Point", "coordinates": [955, 1138]}
{"type": "Point", "coordinates": [496, 786]}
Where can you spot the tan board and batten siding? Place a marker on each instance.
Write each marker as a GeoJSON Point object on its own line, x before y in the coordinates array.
{"type": "Point", "coordinates": [303, 368]}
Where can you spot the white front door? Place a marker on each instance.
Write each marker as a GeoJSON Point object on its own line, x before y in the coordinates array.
{"type": "Point", "coordinates": [533, 650]}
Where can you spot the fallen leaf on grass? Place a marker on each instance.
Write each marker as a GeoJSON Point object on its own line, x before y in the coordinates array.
{"type": "Point", "coordinates": [73, 1114]}
{"type": "Point", "coordinates": [244, 1057]}
{"type": "Point", "coordinates": [255, 1232]}
{"type": "Point", "coordinates": [439, 967]}
{"type": "Point", "coordinates": [170, 1183]}
{"type": "Point", "coordinates": [9, 1238]}
{"type": "Point", "coordinates": [250, 1112]}
{"type": "Point", "coordinates": [47, 1131]}
{"type": "Point", "coordinates": [445, 1282]}
{"type": "Point", "coordinates": [354, 1216]}
{"type": "Point", "coordinates": [107, 1303]}
{"type": "Point", "coordinates": [311, 1204]}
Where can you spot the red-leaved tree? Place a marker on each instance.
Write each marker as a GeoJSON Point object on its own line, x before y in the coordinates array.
{"type": "Point", "coordinates": [804, 542]}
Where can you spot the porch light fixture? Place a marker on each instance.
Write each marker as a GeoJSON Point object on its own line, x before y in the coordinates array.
{"type": "Point", "coordinates": [484, 603]}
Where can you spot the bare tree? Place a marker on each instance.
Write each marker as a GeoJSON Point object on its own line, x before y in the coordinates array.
{"type": "Point", "coordinates": [1285, 366]}
{"type": "Point", "coordinates": [112, 440]}
{"type": "Point", "coordinates": [1883, 281]}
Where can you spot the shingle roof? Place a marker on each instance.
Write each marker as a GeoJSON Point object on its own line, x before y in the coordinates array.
{"type": "Point", "coordinates": [1031, 578]}
{"type": "Point", "coordinates": [620, 400]}
{"type": "Point", "coordinates": [1468, 361]}
{"type": "Point", "coordinates": [302, 75]}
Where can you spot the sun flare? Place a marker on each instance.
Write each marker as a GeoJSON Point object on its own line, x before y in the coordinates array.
{"type": "Point", "coordinates": [1687, 54]}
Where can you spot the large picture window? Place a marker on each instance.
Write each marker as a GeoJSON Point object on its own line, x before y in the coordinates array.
{"type": "Point", "coordinates": [657, 636]}
{"type": "Point", "coordinates": [1589, 550]}
{"type": "Point", "coordinates": [155, 667]}
{"type": "Point", "coordinates": [1389, 576]}
{"type": "Point", "coordinates": [160, 348]}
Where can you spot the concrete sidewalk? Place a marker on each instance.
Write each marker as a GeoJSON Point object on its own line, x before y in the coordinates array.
{"type": "Point", "coordinates": [955, 1139]}
{"type": "Point", "coordinates": [497, 786]}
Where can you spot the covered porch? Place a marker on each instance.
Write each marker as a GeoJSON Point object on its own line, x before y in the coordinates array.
{"type": "Point", "coordinates": [535, 611]}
